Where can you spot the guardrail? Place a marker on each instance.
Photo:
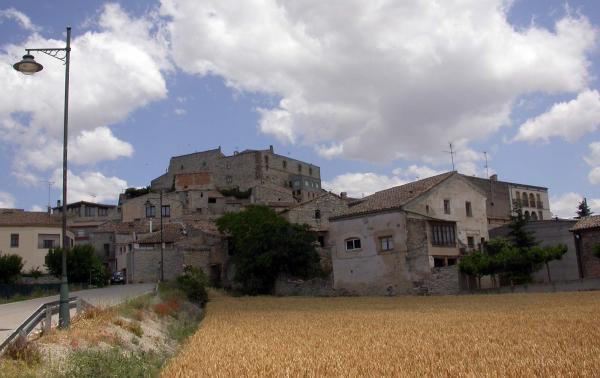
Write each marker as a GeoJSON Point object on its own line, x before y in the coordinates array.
{"type": "Point", "coordinates": [42, 314]}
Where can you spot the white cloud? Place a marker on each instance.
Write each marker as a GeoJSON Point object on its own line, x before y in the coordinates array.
{"type": "Point", "coordinates": [37, 208]}
{"type": "Point", "coordinates": [7, 201]}
{"type": "Point", "coordinates": [565, 205]}
{"type": "Point", "coordinates": [380, 80]}
{"type": "Point", "coordinates": [361, 184]}
{"type": "Point", "coordinates": [20, 17]}
{"type": "Point", "coordinates": [357, 184]}
{"type": "Point", "coordinates": [98, 145]}
{"type": "Point", "coordinates": [179, 111]}
{"type": "Point", "coordinates": [569, 120]}
{"type": "Point", "coordinates": [114, 71]}
{"type": "Point", "coordinates": [593, 160]}
{"type": "Point", "coordinates": [90, 186]}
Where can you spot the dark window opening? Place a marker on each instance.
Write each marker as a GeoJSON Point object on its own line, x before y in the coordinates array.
{"type": "Point", "coordinates": [468, 209]}
{"type": "Point", "coordinates": [150, 211]}
{"type": "Point", "coordinates": [317, 214]}
{"type": "Point", "coordinates": [284, 164]}
{"type": "Point", "coordinates": [451, 262]}
{"type": "Point", "coordinates": [321, 240]}
{"type": "Point", "coordinates": [212, 200]}
{"type": "Point", "coordinates": [446, 206]}
{"type": "Point", "coordinates": [443, 235]}
{"type": "Point", "coordinates": [471, 242]}
{"type": "Point", "coordinates": [352, 244]}
{"type": "Point", "coordinates": [102, 212]}
{"type": "Point", "coordinates": [439, 262]}
{"type": "Point", "coordinates": [106, 249]}
{"type": "Point", "coordinates": [14, 240]}
{"type": "Point", "coordinates": [166, 211]}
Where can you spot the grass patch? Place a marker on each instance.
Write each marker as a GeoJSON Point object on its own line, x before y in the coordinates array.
{"type": "Point", "coordinates": [185, 325]}
{"type": "Point", "coordinates": [113, 363]}
{"type": "Point", "coordinates": [135, 306]}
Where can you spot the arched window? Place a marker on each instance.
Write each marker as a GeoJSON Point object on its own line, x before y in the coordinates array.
{"type": "Point", "coordinates": [518, 198]}
{"type": "Point", "coordinates": [540, 215]}
{"type": "Point", "coordinates": [317, 214]}
{"type": "Point", "coordinates": [534, 215]}
{"type": "Point", "coordinates": [527, 216]}
{"type": "Point", "coordinates": [531, 200]}
{"type": "Point", "coordinates": [525, 201]}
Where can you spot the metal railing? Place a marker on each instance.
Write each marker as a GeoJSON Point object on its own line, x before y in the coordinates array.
{"type": "Point", "coordinates": [42, 314]}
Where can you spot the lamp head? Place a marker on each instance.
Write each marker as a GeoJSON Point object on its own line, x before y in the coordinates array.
{"type": "Point", "coordinates": [28, 65]}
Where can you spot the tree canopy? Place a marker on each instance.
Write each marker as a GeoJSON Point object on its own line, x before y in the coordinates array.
{"type": "Point", "coordinates": [10, 267]}
{"type": "Point", "coordinates": [583, 210]}
{"type": "Point", "coordinates": [83, 265]}
{"type": "Point", "coordinates": [264, 245]}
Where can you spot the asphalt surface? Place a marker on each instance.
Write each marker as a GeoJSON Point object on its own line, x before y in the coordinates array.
{"type": "Point", "coordinates": [13, 314]}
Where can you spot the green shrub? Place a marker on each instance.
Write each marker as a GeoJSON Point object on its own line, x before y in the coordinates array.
{"type": "Point", "coordinates": [596, 250]}
{"type": "Point", "coordinates": [185, 325]}
{"type": "Point", "coordinates": [193, 283]}
{"type": "Point", "coordinates": [10, 267]}
{"type": "Point", "coordinates": [113, 363]}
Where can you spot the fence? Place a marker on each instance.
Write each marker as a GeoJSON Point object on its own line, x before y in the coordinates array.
{"type": "Point", "coordinates": [10, 290]}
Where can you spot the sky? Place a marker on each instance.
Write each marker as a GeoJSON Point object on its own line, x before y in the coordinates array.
{"type": "Point", "coordinates": [372, 92]}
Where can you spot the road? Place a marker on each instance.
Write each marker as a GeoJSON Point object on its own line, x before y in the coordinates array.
{"type": "Point", "coordinates": [13, 314]}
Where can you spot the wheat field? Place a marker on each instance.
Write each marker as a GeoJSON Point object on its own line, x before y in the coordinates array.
{"type": "Point", "coordinates": [497, 335]}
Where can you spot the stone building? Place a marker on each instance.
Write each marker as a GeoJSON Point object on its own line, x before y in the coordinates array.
{"type": "Point", "coordinates": [587, 237]}
{"type": "Point", "coordinates": [551, 233]}
{"type": "Point", "coordinates": [213, 170]}
{"type": "Point", "coordinates": [196, 243]}
{"type": "Point", "coordinates": [113, 239]}
{"type": "Point", "coordinates": [501, 195]}
{"type": "Point", "coordinates": [30, 234]}
{"type": "Point", "coordinates": [84, 217]}
{"type": "Point", "coordinates": [408, 239]}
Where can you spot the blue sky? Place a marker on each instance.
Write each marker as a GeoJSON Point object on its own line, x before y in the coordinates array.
{"type": "Point", "coordinates": [369, 94]}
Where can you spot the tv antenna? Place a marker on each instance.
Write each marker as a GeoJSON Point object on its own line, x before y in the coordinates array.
{"type": "Point", "coordinates": [50, 183]}
{"type": "Point", "coordinates": [487, 168]}
{"type": "Point", "coordinates": [451, 152]}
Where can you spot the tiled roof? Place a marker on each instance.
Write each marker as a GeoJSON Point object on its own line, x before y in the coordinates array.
{"type": "Point", "coordinates": [587, 222]}
{"type": "Point", "coordinates": [171, 233]}
{"type": "Point", "coordinates": [205, 226]}
{"type": "Point", "coordinates": [19, 217]}
{"type": "Point", "coordinates": [393, 198]}
{"type": "Point", "coordinates": [119, 227]}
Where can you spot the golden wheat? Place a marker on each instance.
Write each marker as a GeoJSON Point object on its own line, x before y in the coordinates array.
{"type": "Point", "coordinates": [496, 335]}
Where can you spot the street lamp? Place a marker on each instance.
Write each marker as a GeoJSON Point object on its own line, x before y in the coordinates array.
{"type": "Point", "coordinates": [29, 66]}
{"type": "Point", "coordinates": [162, 259]}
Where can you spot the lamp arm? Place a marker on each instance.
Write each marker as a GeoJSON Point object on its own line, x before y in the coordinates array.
{"type": "Point", "coordinates": [53, 52]}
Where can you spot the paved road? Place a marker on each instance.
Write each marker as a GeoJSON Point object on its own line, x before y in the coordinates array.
{"type": "Point", "coordinates": [13, 314]}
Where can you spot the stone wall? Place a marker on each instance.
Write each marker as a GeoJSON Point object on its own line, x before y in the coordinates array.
{"type": "Point", "coordinates": [315, 287]}
{"type": "Point", "coordinates": [443, 281]}
{"type": "Point", "coordinates": [586, 284]}
{"type": "Point", "coordinates": [590, 264]}
{"type": "Point", "coordinates": [328, 205]}
{"type": "Point", "coordinates": [417, 255]}
{"type": "Point", "coordinates": [143, 265]}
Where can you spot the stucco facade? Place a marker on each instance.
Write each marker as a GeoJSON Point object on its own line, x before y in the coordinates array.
{"type": "Point", "coordinates": [31, 242]}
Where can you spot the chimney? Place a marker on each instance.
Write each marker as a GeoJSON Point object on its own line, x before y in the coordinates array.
{"type": "Point", "coordinates": [271, 148]}
{"type": "Point", "coordinates": [494, 177]}
{"type": "Point", "coordinates": [344, 195]}
{"type": "Point", "coordinates": [57, 203]}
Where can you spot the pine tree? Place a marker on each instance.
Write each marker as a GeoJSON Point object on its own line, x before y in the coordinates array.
{"type": "Point", "coordinates": [520, 237]}
{"type": "Point", "coordinates": [583, 210]}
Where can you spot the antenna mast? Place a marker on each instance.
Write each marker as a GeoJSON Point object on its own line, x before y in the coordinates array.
{"type": "Point", "coordinates": [451, 152]}
{"type": "Point", "coordinates": [487, 171]}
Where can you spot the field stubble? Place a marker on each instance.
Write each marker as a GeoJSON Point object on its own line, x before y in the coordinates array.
{"type": "Point", "coordinates": [496, 335]}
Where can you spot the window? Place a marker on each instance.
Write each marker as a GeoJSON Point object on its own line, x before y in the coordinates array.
{"type": "Point", "coordinates": [102, 211]}
{"type": "Point", "coordinates": [446, 206]}
{"type": "Point", "coordinates": [451, 261]}
{"type": "Point", "coordinates": [439, 262]}
{"type": "Point", "coordinates": [166, 211]}
{"type": "Point", "coordinates": [540, 215]}
{"type": "Point", "coordinates": [212, 200]}
{"type": "Point", "coordinates": [317, 214]}
{"type": "Point", "coordinates": [525, 201]}
{"type": "Point", "coordinates": [284, 164]}
{"type": "Point", "coordinates": [468, 209]}
{"type": "Point", "coordinates": [534, 215]}
{"type": "Point", "coordinates": [296, 183]}
{"type": "Point", "coordinates": [386, 243]}
{"type": "Point", "coordinates": [470, 242]}
{"type": "Point", "coordinates": [531, 200]}
{"type": "Point", "coordinates": [48, 241]}
{"type": "Point", "coordinates": [310, 171]}
{"type": "Point", "coordinates": [518, 198]}
{"type": "Point", "coordinates": [150, 211]}
{"type": "Point", "coordinates": [427, 209]}
{"type": "Point", "coordinates": [300, 168]}
{"type": "Point", "coordinates": [89, 212]}
{"type": "Point", "coordinates": [106, 250]}
{"type": "Point", "coordinates": [306, 183]}
{"type": "Point", "coordinates": [266, 160]}
{"type": "Point", "coordinates": [14, 240]}
{"type": "Point", "coordinates": [442, 234]}
{"type": "Point", "coordinates": [352, 244]}
{"type": "Point", "coordinates": [229, 179]}
{"type": "Point", "coordinates": [80, 233]}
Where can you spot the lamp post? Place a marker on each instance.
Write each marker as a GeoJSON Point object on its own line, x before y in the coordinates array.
{"type": "Point", "coordinates": [162, 260]}
{"type": "Point", "coordinates": [29, 66]}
